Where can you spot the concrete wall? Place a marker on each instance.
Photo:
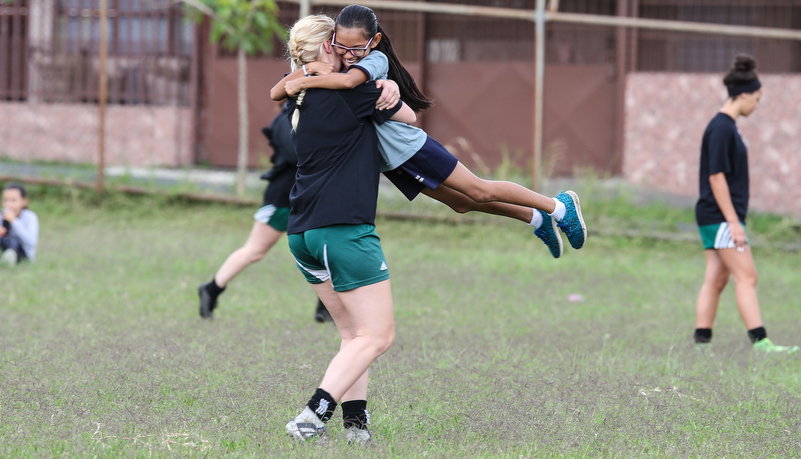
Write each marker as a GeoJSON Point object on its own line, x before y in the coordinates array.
{"type": "Point", "coordinates": [665, 118]}
{"type": "Point", "coordinates": [135, 135]}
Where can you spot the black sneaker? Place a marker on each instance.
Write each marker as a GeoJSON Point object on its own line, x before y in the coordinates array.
{"type": "Point", "coordinates": [207, 302]}
{"type": "Point", "coordinates": [322, 315]}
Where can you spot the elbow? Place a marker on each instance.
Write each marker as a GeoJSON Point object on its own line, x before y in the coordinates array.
{"type": "Point", "coordinates": [350, 83]}
{"type": "Point", "coordinates": [274, 95]}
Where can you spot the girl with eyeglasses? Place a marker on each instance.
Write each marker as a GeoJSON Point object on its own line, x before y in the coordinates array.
{"type": "Point", "coordinates": [414, 161]}
{"type": "Point", "coordinates": [331, 229]}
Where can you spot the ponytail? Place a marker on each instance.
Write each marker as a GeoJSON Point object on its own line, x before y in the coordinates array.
{"type": "Point", "coordinates": [362, 17]}
{"type": "Point", "coordinates": [409, 92]}
{"type": "Point", "coordinates": [296, 113]}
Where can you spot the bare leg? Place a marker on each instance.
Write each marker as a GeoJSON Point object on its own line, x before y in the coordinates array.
{"type": "Point", "coordinates": [461, 203]}
{"type": "Point", "coordinates": [346, 327]}
{"type": "Point", "coordinates": [715, 280]}
{"type": "Point", "coordinates": [743, 271]}
{"type": "Point", "coordinates": [480, 190]}
{"type": "Point", "coordinates": [262, 238]}
{"type": "Point", "coordinates": [367, 317]}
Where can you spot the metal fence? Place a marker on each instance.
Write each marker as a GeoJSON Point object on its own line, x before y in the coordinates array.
{"type": "Point", "coordinates": [453, 38]}
{"type": "Point", "coordinates": [49, 51]}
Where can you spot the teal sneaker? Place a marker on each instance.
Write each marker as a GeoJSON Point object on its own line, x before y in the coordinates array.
{"type": "Point", "coordinates": [767, 346]}
{"type": "Point", "coordinates": [547, 232]}
{"type": "Point", "coordinates": [572, 224]}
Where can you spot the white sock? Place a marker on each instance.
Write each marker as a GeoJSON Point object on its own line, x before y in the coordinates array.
{"type": "Point", "coordinates": [536, 218]}
{"type": "Point", "coordinates": [559, 212]}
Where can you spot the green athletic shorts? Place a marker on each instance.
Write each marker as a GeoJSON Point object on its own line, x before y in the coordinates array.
{"type": "Point", "coordinates": [349, 255]}
{"type": "Point", "coordinates": [277, 217]}
{"type": "Point", "coordinates": [718, 236]}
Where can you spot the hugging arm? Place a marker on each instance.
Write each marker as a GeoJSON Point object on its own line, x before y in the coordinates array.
{"type": "Point", "coordinates": [279, 92]}
{"type": "Point", "coordinates": [349, 80]}
{"type": "Point", "coordinates": [405, 115]}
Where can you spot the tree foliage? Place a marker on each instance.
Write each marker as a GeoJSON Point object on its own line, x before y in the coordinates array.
{"type": "Point", "coordinates": [251, 24]}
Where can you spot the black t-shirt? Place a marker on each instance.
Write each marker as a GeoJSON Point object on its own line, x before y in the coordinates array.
{"type": "Point", "coordinates": [338, 159]}
{"type": "Point", "coordinates": [279, 134]}
{"type": "Point", "coordinates": [722, 150]}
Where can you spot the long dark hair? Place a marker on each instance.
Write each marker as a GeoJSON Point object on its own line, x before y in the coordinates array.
{"type": "Point", "coordinates": [742, 71]}
{"type": "Point", "coordinates": [362, 17]}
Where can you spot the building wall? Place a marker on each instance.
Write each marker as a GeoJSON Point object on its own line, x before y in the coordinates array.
{"type": "Point", "coordinates": [666, 115]}
{"type": "Point", "coordinates": [135, 136]}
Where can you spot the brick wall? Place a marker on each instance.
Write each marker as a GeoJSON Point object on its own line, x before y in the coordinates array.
{"type": "Point", "coordinates": [135, 135]}
{"type": "Point", "coordinates": [666, 115]}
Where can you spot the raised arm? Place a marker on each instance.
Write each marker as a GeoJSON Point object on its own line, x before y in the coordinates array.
{"type": "Point", "coordinates": [278, 92]}
{"type": "Point", "coordinates": [348, 80]}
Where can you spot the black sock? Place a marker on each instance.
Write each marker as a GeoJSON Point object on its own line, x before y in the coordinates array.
{"type": "Point", "coordinates": [703, 335]}
{"type": "Point", "coordinates": [758, 334]}
{"type": "Point", "coordinates": [322, 404]}
{"type": "Point", "coordinates": [214, 289]}
{"type": "Point", "coordinates": [354, 414]}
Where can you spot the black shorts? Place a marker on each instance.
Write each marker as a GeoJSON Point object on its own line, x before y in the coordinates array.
{"type": "Point", "coordinates": [428, 168]}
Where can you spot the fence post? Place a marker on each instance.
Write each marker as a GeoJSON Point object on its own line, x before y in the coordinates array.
{"type": "Point", "coordinates": [101, 90]}
{"type": "Point", "coordinates": [539, 74]}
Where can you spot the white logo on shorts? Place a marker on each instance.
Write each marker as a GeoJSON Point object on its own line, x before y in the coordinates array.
{"type": "Point", "coordinates": [419, 179]}
{"type": "Point", "coordinates": [383, 266]}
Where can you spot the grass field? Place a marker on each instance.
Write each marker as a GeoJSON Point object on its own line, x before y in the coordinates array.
{"type": "Point", "coordinates": [102, 352]}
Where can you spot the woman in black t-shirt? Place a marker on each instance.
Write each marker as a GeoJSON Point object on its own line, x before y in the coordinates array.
{"type": "Point", "coordinates": [331, 228]}
{"type": "Point", "coordinates": [271, 219]}
{"type": "Point", "coordinates": [721, 211]}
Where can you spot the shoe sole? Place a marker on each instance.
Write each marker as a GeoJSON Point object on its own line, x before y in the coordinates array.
{"type": "Point", "coordinates": [302, 431]}
{"type": "Point", "coordinates": [555, 229]}
{"type": "Point", "coordinates": [577, 205]}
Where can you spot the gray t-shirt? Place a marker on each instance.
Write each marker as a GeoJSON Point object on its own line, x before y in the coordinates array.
{"type": "Point", "coordinates": [26, 228]}
{"type": "Point", "coordinates": [397, 141]}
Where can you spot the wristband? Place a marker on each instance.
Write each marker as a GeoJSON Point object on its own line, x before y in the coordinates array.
{"type": "Point", "coordinates": [305, 72]}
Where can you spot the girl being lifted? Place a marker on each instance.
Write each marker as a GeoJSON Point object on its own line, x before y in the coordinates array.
{"type": "Point", "coordinates": [415, 162]}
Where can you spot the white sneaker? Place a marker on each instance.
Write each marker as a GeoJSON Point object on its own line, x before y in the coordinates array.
{"type": "Point", "coordinates": [359, 436]}
{"type": "Point", "coordinates": [9, 258]}
{"type": "Point", "coordinates": [306, 425]}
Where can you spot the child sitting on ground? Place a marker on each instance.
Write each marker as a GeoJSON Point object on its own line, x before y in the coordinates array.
{"type": "Point", "coordinates": [19, 233]}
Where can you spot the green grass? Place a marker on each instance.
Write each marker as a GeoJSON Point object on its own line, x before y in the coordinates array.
{"type": "Point", "coordinates": [102, 353]}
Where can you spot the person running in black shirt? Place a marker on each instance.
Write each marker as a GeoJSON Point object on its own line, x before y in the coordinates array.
{"type": "Point", "coordinates": [271, 219]}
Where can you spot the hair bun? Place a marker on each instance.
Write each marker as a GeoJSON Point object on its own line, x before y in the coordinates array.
{"type": "Point", "coordinates": [744, 63]}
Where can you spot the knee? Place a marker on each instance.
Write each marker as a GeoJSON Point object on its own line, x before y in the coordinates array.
{"type": "Point", "coordinates": [720, 282]}
{"type": "Point", "coordinates": [461, 207]}
{"type": "Point", "coordinates": [383, 342]}
{"type": "Point", "coordinates": [481, 194]}
{"type": "Point", "coordinates": [257, 256]}
{"type": "Point", "coordinates": [254, 253]}
{"type": "Point", "coordinates": [749, 278]}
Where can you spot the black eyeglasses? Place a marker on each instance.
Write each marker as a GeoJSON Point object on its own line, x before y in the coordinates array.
{"type": "Point", "coordinates": [342, 50]}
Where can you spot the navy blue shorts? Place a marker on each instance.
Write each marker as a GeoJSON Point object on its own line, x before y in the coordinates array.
{"type": "Point", "coordinates": [428, 168]}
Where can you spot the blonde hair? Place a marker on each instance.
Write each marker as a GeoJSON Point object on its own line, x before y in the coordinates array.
{"type": "Point", "coordinates": [306, 39]}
